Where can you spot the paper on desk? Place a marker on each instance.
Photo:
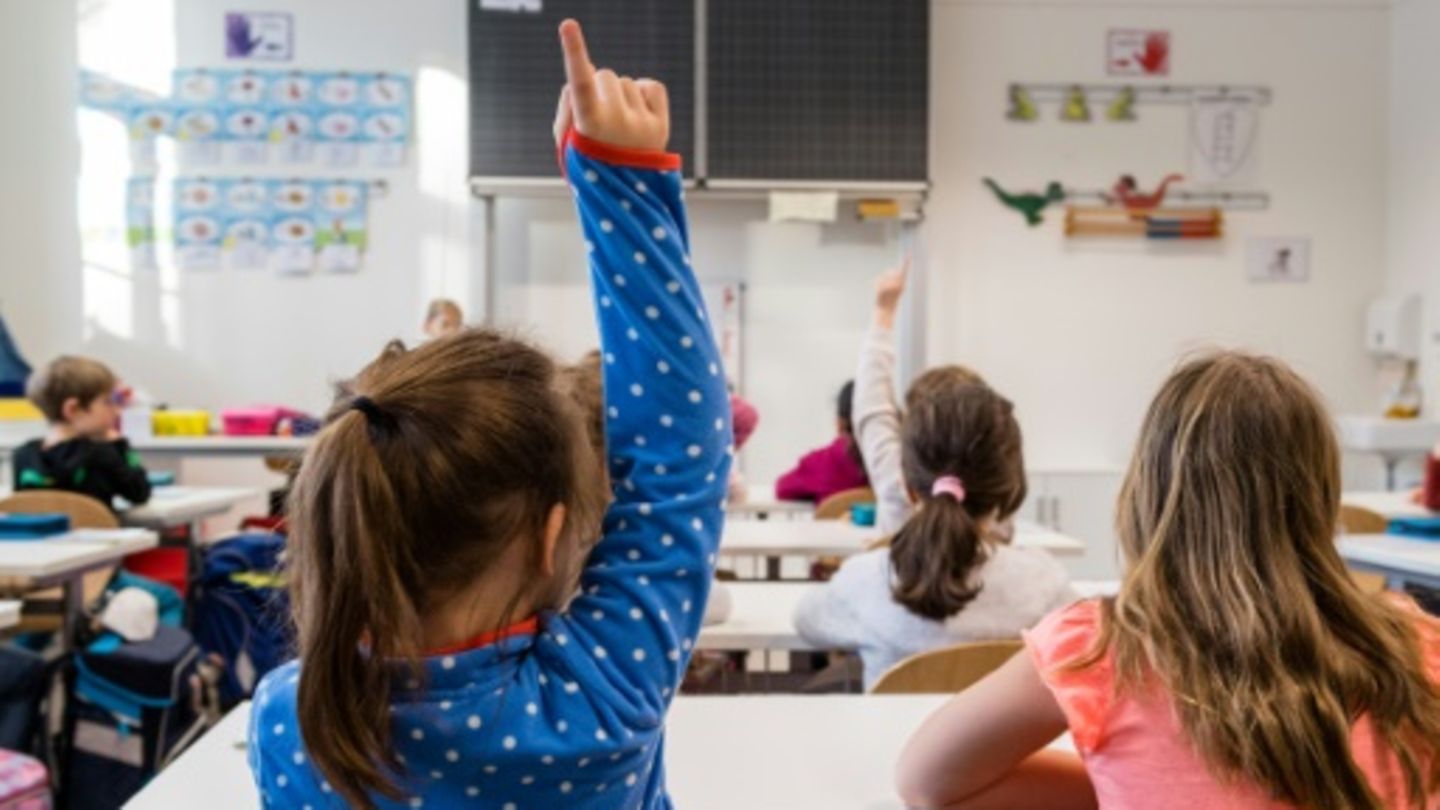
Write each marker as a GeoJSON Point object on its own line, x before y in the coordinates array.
{"type": "Point", "coordinates": [804, 206]}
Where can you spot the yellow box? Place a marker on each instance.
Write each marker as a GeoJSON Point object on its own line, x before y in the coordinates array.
{"type": "Point", "coordinates": [15, 409]}
{"type": "Point", "coordinates": [181, 423]}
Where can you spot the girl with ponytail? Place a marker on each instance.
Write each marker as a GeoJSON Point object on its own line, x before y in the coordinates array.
{"type": "Point", "coordinates": [482, 621]}
{"type": "Point", "coordinates": [948, 575]}
{"type": "Point", "coordinates": [1239, 667]}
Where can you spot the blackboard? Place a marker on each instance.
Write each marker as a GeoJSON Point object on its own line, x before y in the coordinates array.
{"type": "Point", "coordinates": [830, 90]}
{"type": "Point", "coordinates": [516, 73]}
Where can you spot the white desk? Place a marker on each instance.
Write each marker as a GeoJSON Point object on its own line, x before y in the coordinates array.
{"type": "Point", "coordinates": [9, 613]}
{"type": "Point", "coordinates": [721, 753]}
{"type": "Point", "coordinates": [840, 538]}
{"type": "Point", "coordinates": [762, 616]}
{"type": "Point", "coordinates": [29, 565]}
{"type": "Point", "coordinates": [1401, 559]}
{"type": "Point", "coordinates": [1389, 505]}
{"type": "Point", "coordinates": [760, 502]}
{"type": "Point", "coordinates": [181, 506]}
{"type": "Point", "coordinates": [232, 446]}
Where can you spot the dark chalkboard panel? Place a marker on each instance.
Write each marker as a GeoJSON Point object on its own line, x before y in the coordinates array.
{"type": "Point", "coordinates": [830, 90]}
{"type": "Point", "coordinates": [516, 72]}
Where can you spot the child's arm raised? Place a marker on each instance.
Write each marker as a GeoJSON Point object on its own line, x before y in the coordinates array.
{"type": "Point", "coordinates": [877, 419]}
{"type": "Point", "coordinates": [667, 413]}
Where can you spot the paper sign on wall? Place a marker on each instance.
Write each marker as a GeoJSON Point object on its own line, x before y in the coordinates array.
{"type": "Point", "coordinates": [197, 225]}
{"type": "Point", "coordinates": [1282, 259]}
{"type": "Point", "coordinates": [1137, 52]}
{"type": "Point", "coordinates": [340, 226]}
{"type": "Point", "coordinates": [1224, 131]}
{"type": "Point", "coordinates": [265, 35]}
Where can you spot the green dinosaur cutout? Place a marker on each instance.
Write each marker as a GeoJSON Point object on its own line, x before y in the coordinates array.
{"type": "Point", "coordinates": [1022, 107]}
{"type": "Point", "coordinates": [1029, 204]}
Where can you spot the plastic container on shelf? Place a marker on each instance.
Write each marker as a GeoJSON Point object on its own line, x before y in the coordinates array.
{"type": "Point", "coordinates": [181, 423]}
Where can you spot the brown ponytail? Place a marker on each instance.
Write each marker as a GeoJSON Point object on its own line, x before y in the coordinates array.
{"type": "Point", "coordinates": [955, 425]}
{"type": "Point", "coordinates": [431, 464]}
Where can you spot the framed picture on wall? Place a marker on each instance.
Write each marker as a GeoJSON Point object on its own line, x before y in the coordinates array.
{"type": "Point", "coordinates": [1278, 259]}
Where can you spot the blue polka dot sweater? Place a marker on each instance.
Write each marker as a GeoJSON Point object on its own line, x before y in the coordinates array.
{"type": "Point", "coordinates": [573, 714]}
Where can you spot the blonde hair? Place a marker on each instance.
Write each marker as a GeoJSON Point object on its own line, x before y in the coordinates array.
{"type": "Point", "coordinates": [432, 463]}
{"type": "Point", "coordinates": [68, 377]}
{"type": "Point", "coordinates": [1236, 598]}
{"type": "Point", "coordinates": [444, 306]}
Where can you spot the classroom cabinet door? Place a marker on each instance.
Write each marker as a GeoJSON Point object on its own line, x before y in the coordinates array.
{"type": "Point", "coordinates": [1082, 505]}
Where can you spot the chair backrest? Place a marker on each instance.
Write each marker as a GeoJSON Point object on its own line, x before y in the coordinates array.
{"type": "Point", "coordinates": [946, 670]}
{"type": "Point", "coordinates": [85, 512]}
{"type": "Point", "coordinates": [1359, 520]}
{"type": "Point", "coordinates": [837, 506]}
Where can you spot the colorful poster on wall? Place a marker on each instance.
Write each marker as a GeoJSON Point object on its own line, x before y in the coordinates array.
{"type": "Point", "coordinates": [337, 121]}
{"type": "Point", "coordinates": [260, 35]}
{"type": "Point", "coordinates": [1224, 133]}
{"type": "Point", "coordinates": [197, 224]}
{"type": "Point", "coordinates": [340, 214]}
{"type": "Point", "coordinates": [246, 118]}
{"type": "Point", "coordinates": [385, 118]}
{"type": "Point", "coordinates": [147, 122]}
{"type": "Point", "coordinates": [1137, 52]}
{"type": "Point", "coordinates": [140, 222]}
{"type": "Point", "coordinates": [292, 118]}
{"type": "Point", "coordinates": [292, 227]}
{"type": "Point", "coordinates": [246, 224]}
{"type": "Point", "coordinates": [197, 117]}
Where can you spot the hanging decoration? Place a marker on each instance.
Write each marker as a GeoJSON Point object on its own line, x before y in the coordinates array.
{"type": "Point", "coordinates": [1121, 102]}
{"type": "Point", "coordinates": [1076, 109]}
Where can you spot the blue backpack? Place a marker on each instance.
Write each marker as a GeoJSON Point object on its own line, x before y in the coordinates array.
{"type": "Point", "coordinates": [14, 371]}
{"type": "Point", "coordinates": [242, 611]}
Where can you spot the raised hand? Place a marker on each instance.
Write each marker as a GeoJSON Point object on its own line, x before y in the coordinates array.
{"type": "Point", "coordinates": [888, 289]}
{"type": "Point", "coordinates": [616, 110]}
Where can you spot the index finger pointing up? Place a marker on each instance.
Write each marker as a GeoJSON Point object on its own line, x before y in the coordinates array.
{"type": "Point", "coordinates": [579, 73]}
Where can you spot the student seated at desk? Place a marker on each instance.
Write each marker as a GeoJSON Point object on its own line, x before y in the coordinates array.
{"type": "Point", "coordinates": [83, 452]}
{"type": "Point", "coordinates": [949, 574]}
{"type": "Point", "coordinates": [1239, 667]}
{"type": "Point", "coordinates": [464, 640]}
{"type": "Point", "coordinates": [833, 468]}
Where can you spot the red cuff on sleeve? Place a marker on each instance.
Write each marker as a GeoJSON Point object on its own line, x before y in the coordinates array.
{"type": "Point", "coordinates": [655, 159]}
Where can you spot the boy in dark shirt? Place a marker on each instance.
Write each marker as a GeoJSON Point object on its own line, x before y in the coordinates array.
{"type": "Point", "coordinates": [83, 452]}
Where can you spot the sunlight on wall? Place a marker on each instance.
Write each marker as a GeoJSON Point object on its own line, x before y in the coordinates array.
{"type": "Point", "coordinates": [132, 42]}
{"type": "Point", "coordinates": [441, 129]}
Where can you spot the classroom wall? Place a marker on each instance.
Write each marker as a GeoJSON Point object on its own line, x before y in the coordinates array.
{"type": "Point", "coordinates": [39, 153]}
{"type": "Point", "coordinates": [1080, 335]}
{"type": "Point", "coordinates": [1414, 173]}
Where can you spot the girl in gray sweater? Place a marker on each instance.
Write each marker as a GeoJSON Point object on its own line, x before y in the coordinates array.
{"type": "Point", "coordinates": [948, 478]}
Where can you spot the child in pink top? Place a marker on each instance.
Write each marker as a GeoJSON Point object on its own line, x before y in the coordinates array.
{"type": "Point", "coordinates": [833, 468]}
{"type": "Point", "coordinates": [1238, 668]}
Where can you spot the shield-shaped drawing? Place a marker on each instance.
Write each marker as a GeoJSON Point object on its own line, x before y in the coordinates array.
{"type": "Point", "coordinates": [1224, 128]}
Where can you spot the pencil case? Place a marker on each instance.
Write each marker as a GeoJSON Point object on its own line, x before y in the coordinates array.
{"type": "Point", "coordinates": [32, 526]}
{"type": "Point", "coordinates": [1423, 528]}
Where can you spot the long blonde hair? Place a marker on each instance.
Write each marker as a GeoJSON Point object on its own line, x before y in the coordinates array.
{"type": "Point", "coordinates": [1237, 601]}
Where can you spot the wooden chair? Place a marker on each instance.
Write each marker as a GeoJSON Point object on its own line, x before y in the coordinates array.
{"type": "Point", "coordinates": [1359, 520]}
{"type": "Point", "coordinates": [85, 513]}
{"type": "Point", "coordinates": [837, 506]}
{"type": "Point", "coordinates": [945, 671]}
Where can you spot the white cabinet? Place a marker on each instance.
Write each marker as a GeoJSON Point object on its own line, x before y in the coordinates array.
{"type": "Point", "coordinates": [1081, 504]}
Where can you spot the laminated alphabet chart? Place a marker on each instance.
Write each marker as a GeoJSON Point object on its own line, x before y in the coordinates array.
{"type": "Point", "coordinates": [289, 226]}
{"type": "Point", "coordinates": [254, 117]}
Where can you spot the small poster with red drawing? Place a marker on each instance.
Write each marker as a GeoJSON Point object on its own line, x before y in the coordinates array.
{"type": "Point", "coordinates": [1137, 52]}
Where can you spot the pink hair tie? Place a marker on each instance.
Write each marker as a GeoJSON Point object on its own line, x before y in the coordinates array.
{"type": "Point", "coordinates": [948, 485]}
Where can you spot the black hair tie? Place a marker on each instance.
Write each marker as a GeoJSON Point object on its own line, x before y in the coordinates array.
{"type": "Point", "coordinates": [375, 417]}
